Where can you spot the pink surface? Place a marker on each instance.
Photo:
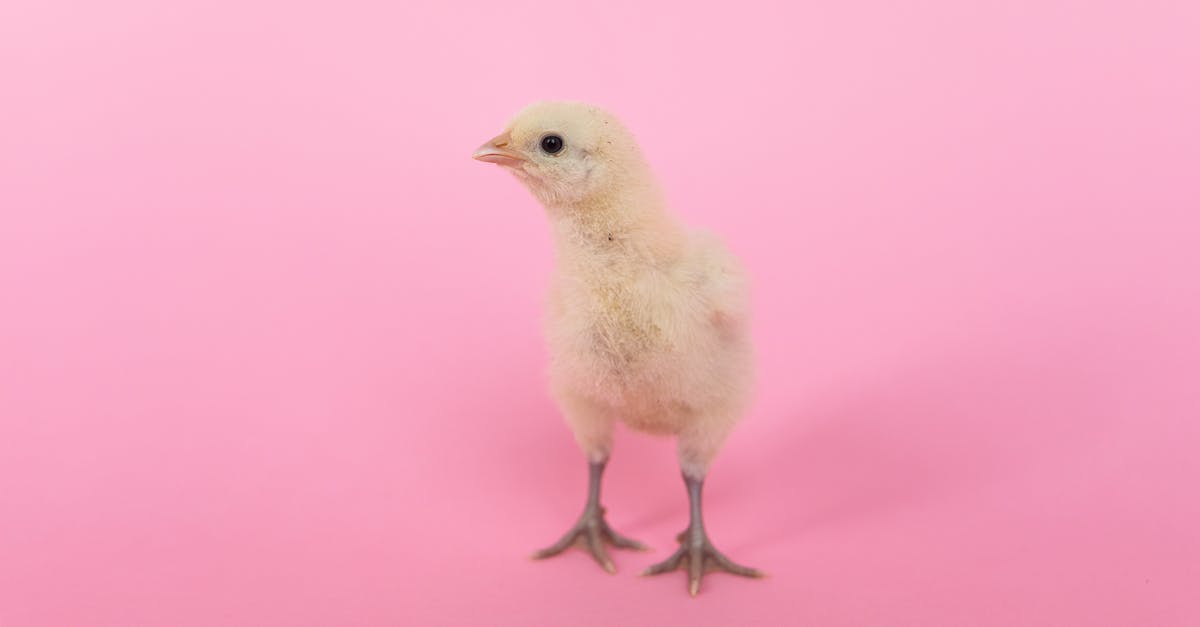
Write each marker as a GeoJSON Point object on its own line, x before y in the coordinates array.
{"type": "Point", "coordinates": [270, 353]}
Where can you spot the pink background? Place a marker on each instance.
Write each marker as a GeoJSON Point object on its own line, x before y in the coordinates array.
{"type": "Point", "coordinates": [270, 350]}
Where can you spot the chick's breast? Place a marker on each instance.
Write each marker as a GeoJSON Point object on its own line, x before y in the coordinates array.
{"type": "Point", "coordinates": [655, 342]}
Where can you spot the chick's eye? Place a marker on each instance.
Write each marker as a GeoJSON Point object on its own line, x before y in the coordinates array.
{"type": "Point", "coordinates": [552, 144]}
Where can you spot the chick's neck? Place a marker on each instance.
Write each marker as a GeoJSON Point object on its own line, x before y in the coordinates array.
{"type": "Point", "coordinates": [630, 225]}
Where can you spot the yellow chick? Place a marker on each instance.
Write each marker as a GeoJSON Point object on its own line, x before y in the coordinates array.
{"type": "Point", "coordinates": [647, 321]}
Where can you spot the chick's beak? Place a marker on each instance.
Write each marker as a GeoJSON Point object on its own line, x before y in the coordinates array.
{"type": "Point", "coordinates": [496, 151]}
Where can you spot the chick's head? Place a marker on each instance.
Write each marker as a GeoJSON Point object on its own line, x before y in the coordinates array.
{"type": "Point", "coordinates": [565, 152]}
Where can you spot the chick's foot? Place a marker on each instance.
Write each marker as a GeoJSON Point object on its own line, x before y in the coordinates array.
{"type": "Point", "coordinates": [592, 533]}
{"type": "Point", "coordinates": [701, 557]}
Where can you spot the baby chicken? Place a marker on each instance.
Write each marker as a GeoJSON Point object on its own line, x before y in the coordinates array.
{"type": "Point", "coordinates": [647, 320]}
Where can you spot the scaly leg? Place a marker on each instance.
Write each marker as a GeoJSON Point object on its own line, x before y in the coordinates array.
{"type": "Point", "coordinates": [695, 548]}
{"type": "Point", "coordinates": [592, 530]}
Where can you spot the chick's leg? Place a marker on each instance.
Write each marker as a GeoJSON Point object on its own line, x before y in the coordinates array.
{"type": "Point", "coordinates": [695, 549]}
{"type": "Point", "coordinates": [592, 531]}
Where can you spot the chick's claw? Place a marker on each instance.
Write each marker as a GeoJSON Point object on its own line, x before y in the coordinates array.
{"type": "Point", "coordinates": [592, 532]}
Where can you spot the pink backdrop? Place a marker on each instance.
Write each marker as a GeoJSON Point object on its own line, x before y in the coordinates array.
{"type": "Point", "coordinates": [270, 352]}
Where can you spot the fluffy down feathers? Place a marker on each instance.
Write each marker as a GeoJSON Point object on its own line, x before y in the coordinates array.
{"type": "Point", "coordinates": [647, 320]}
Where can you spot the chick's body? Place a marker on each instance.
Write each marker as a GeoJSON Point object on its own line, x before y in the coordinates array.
{"type": "Point", "coordinates": [647, 326]}
{"type": "Point", "coordinates": [647, 320]}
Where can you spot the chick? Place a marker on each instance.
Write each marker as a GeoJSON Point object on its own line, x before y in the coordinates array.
{"type": "Point", "coordinates": [647, 320]}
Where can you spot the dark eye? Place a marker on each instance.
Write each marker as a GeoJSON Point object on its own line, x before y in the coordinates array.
{"type": "Point", "coordinates": [552, 144]}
